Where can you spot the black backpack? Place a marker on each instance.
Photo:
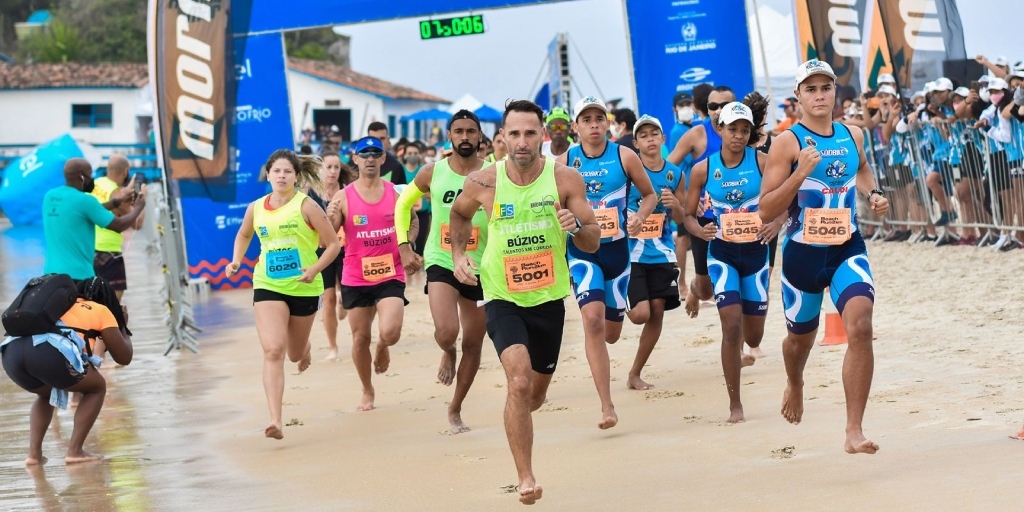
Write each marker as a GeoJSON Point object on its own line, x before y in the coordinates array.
{"type": "Point", "coordinates": [40, 305]}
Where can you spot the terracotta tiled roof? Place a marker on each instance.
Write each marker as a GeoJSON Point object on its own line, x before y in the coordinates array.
{"type": "Point", "coordinates": [345, 76]}
{"type": "Point", "coordinates": [73, 74]}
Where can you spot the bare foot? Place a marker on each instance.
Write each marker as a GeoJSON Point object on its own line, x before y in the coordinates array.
{"type": "Point", "coordinates": [307, 359]}
{"type": "Point", "coordinates": [34, 460]}
{"type": "Point", "coordinates": [635, 382]}
{"type": "Point", "coordinates": [756, 352]}
{"type": "Point", "coordinates": [366, 402]}
{"type": "Point", "coordinates": [692, 305]}
{"type": "Point", "coordinates": [793, 403]}
{"type": "Point", "coordinates": [747, 360]}
{"type": "Point", "coordinates": [857, 443]}
{"type": "Point", "coordinates": [446, 372]}
{"type": "Point", "coordinates": [736, 414]}
{"type": "Point", "coordinates": [610, 419]}
{"type": "Point", "coordinates": [1018, 436]}
{"type": "Point", "coordinates": [81, 456]}
{"type": "Point", "coordinates": [455, 419]}
{"type": "Point", "coordinates": [273, 431]}
{"type": "Point", "coordinates": [332, 355]}
{"type": "Point", "coordinates": [382, 359]}
{"type": "Point", "coordinates": [529, 492]}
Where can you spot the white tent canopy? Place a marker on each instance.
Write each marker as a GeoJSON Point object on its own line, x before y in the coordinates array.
{"type": "Point", "coordinates": [467, 101]}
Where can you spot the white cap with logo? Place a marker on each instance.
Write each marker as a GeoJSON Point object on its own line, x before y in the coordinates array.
{"type": "Point", "coordinates": [1001, 61]}
{"type": "Point", "coordinates": [943, 84]}
{"type": "Point", "coordinates": [885, 78]}
{"type": "Point", "coordinates": [997, 83]}
{"type": "Point", "coordinates": [963, 92]}
{"type": "Point", "coordinates": [646, 120]}
{"type": "Point", "coordinates": [588, 102]}
{"type": "Point", "coordinates": [887, 89]}
{"type": "Point", "coordinates": [735, 111]}
{"type": "Point", "coordinates": [813, 67]}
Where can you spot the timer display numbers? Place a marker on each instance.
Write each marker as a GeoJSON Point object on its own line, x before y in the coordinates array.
{"type": "Point", "coordinates": [452, 27]}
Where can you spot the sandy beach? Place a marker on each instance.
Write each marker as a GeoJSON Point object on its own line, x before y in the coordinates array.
{"type": "Point", "coordinates": [947, 369]}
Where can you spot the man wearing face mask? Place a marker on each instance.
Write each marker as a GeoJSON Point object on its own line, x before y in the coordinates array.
{"type": "Point", "coordinates": [70, 218]}
{"type": "Point", "coordinates": [682, 105]}
{"type": "Point", "coordinates": [622, 130]}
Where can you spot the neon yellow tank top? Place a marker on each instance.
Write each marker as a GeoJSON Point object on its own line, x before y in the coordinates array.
{"type": "Point", "coordinates": [288, 245]}
{"type": "Point", "coordinates": [524, 259]}
{"type": "Point", "coordinates": [445, 186]}
{"type": "Point", "coordinates": [106, 240]}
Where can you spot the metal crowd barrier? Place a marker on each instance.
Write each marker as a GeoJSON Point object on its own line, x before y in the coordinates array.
{"type": "Point", "coordinates": [948, 181]}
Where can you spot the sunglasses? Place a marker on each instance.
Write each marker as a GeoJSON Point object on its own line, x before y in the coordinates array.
{"type": "Point", "coordinates": [558, 128]}
{"type": "Point", "coordinates": [712, 106]}
{"type": "Point", "coordinates": [371, 154]}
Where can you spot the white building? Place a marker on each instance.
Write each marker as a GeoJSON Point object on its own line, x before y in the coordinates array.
{"type": "Point", "coordinates": [325, 94]}
{"type": "Point", "coordinates": [96, 103]}
{"type": "Point", "coordinates": [111, 103]}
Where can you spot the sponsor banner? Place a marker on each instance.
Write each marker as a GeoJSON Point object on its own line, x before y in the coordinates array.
{"type": "Point", "coordinates": [677, 45]}
{"type": "Point", "coordinates": [262, 124]}
{"type": "Point", "coordinates": [193, 72]}
{"type": "Point", "coordinates": [805, 46]}
{"type": "Point", "coordinates": [260, 16]}
{"type": "Point", "coordinates": [836, 31]}
{"type": "Point", "coordinates": [921, 35]}
{"type": "Point", "coordinates": [875, 60]}
{"type": "Point", "coordinates": [29, 177]}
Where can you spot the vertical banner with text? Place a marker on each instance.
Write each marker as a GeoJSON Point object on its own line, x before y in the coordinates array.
{"type": "Point", "coordinates": [678, 45]}
{"type": "Point", "coordinates": [836, 30]}
{"type": "Point", "coordinates": [262, 124]}
{"type": "Point", "coordinates": [192, 87]}
{"type": "Point", "coordinates": [921, 35]}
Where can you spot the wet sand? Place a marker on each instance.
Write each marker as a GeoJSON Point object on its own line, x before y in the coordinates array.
{"type": "Point", "coordinates": [153, 430]}
{"type": "Point", "coordinates": [944, 400]}
{"type": "Point", "coordinates": [184, 432]}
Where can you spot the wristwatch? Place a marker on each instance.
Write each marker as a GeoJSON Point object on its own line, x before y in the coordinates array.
{"type": "Point", "coordinates": [875, 191]}
{"type": "Point", "coordinates": [579, 226]}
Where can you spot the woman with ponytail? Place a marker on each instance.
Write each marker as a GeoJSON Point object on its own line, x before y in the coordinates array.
{"type": "Point", "coordinates": [286, 282]}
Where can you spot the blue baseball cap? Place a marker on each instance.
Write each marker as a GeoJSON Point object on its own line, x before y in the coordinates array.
{"type": "Point", "coordinates": [367, 144]}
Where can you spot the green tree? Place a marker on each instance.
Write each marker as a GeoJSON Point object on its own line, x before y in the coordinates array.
{"type": "Point", "coordinates": [58, 42]}
{"type": "Point", "coordinates": [111, 30]}
{"type": "Point", "coordinates": [310, 44]}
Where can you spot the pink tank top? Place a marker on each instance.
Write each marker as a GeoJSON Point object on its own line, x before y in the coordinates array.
{"type": "Point", "coordinates": [371, 248]}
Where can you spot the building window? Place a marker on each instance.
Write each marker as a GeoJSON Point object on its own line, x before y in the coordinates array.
{"type": "Point", "coordinates": [391, 125]}
{"type": "Point", "coordinates": [92, 116]}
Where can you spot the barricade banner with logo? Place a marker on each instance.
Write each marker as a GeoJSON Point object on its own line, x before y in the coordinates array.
{"type": "Point", "coordinates": [192, 78]}
{"type": "Point", "coordinates": [921, 35]}
{"type": "Point", "coordinates": [675, 48]}
{"type": "Point", "coordinates": [835, 30]}
{"type": "Point", "coordinates": [262, 124]}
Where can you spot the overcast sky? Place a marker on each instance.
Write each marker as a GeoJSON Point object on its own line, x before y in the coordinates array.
{"type": "Point", "coordinates": [504, 62]}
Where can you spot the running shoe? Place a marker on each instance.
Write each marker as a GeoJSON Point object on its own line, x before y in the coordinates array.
{"type": "Point", "coordinates": [1012, 244]}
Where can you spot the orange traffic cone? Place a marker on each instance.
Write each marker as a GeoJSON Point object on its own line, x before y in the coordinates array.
{"type": "Point", "coordinates": [835, 333]}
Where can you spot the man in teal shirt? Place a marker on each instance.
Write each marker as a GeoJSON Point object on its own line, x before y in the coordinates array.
{"type": "Point", "coordinates": [70, 217]}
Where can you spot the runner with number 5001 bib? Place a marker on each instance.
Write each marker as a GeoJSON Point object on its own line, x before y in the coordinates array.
{"type": "Point", "coordinates": [815, 170]}
{"type": "Point", "coordinates": [523, 269]}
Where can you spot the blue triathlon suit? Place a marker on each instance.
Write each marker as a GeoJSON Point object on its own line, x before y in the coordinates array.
{"type": "Point", "coordinates": [604, 275]}
{"type": "Point", "coordinates": [738, 270]}
{"type": "Point", "coordinates": [698, 245]}
{"type": "Point", "coordinates": [807, 269]}
{"type": "Point", "coordinates": [653, 271]}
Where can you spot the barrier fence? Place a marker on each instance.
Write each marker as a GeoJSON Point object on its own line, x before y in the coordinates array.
{"type": "Point", "coordinates": [948, 183]}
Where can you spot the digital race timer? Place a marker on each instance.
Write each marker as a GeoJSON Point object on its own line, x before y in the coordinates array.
{"type": "Point", "coordinates": [451, 27]}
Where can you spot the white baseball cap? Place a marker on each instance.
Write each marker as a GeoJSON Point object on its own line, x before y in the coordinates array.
{"type": "Point", "coordinates": [813, 67]}
{"type": "Point", "coordinates": [646, 119]}
{"type": "Point", "coordinates": [916, 95]}
{"type": "Point", "coordinates": [929, 87]}
{"type": "Point", "coordinates": [943, 84]}
{"type": "Point", "coordinates": [887, 89]}
{"type": "Point", "coordinates": [1001, 61]}
{"type": "Point", "coordinates": [997, 83]}
{"type": "Point", "coordinates": [885, 78]}
{"type": "Point", "coordinates": [1019, 73]}
{"type": "Point", "coordinates": [588, 102]}
{"type": "Point", "coordinates": [963, 92]}
{"type": "Point", "coordinates": [735, 111]}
